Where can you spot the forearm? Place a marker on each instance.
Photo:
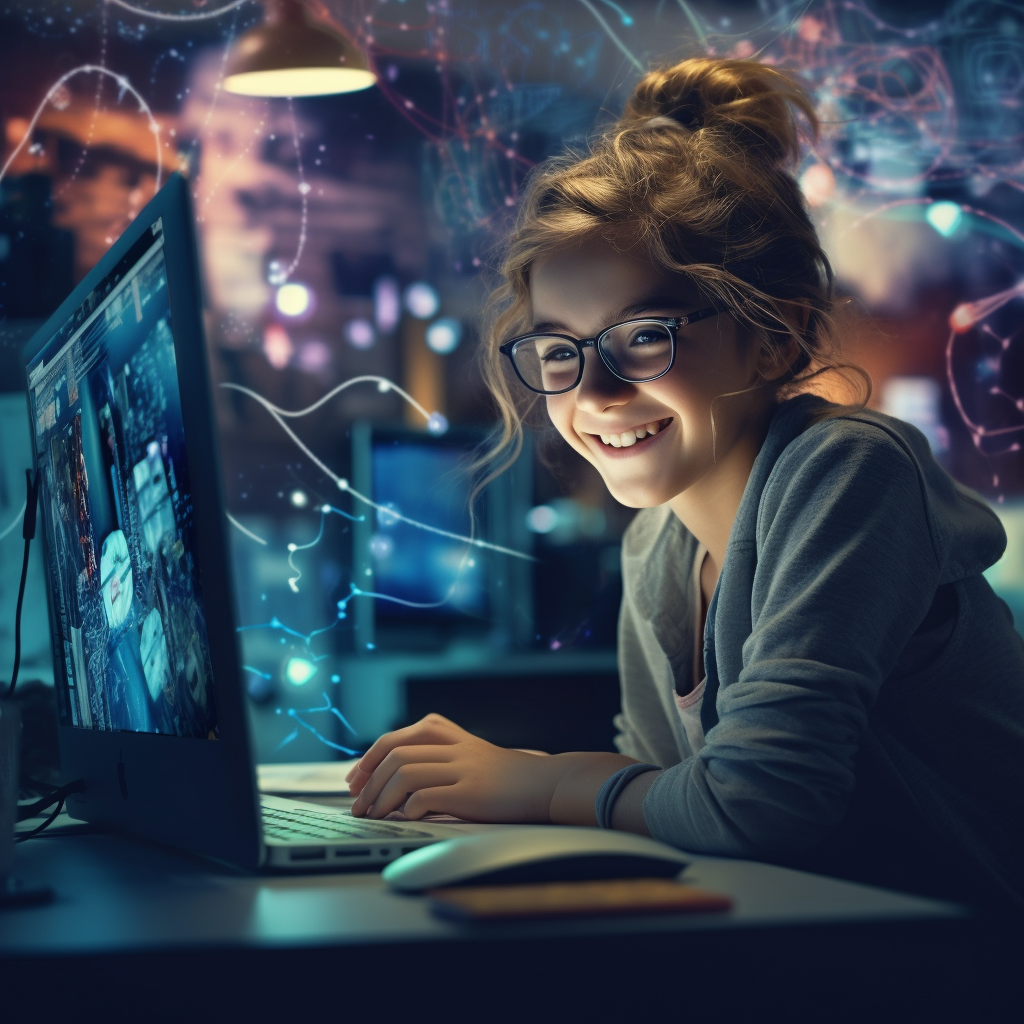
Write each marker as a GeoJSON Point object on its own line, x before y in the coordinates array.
{"type": "Point", "coordinates": [576, 779]}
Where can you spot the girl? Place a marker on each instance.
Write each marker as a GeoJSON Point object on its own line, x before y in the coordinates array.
{"type": "Point", "coordinates": [814, 670]}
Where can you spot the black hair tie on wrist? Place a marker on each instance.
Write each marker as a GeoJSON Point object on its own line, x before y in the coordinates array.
{"type": "Point", "coordinates": [613, 787]}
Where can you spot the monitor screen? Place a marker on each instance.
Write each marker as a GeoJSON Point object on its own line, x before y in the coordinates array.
{"type": "Point", "coordinates": [422, 572]}
{"type": "Point", "coordinates": [131, 645]}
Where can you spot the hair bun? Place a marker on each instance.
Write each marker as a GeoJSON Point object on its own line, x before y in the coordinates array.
{"type": "Point", "coordinates": [742, 101]}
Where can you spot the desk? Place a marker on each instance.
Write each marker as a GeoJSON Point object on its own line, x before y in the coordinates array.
{"type": "Point", "coordinates": [145, 927]}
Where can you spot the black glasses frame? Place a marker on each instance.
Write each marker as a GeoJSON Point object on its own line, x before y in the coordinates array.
{"type": "Point", "coordinates": [673, 323]}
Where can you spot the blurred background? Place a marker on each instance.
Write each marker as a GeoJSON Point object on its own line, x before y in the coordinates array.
{"type": "Point", "coordinates": [353, 236]}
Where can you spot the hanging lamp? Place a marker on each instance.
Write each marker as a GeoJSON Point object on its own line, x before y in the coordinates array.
{"type": "Point", "coordinates": [292, 54]}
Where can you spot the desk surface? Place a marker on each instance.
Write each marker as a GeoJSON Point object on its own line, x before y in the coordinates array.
{"type": "Point", "coordinates": [130, 920]}
{"type": "Point", "coordinates": [114, 893]}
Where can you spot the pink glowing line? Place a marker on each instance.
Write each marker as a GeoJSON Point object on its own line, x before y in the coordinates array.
{"type": "Point", "coordinates": [967, 314]}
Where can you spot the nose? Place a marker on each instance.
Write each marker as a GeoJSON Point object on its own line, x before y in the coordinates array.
{"type": "Point", "coordinates": [600, 389]}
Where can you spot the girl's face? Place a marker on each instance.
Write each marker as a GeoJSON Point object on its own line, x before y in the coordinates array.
{"type": "Point", "coordinates": [582, 290]}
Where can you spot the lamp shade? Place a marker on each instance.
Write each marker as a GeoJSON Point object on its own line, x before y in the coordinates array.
{"type": "Point", "coordinates": [290, 54]}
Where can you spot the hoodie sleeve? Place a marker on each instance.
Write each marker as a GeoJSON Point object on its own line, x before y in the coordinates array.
{"type": "Point", "coordinates": [846, 571]}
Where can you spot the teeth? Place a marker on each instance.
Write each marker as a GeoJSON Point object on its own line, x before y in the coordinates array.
{"type": "Point", "coordinates": [630, 437]}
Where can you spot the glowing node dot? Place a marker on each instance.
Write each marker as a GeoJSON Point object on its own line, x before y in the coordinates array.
{"type": "Point", "coordinates": [437, 424]}
{"type": "Point", "coordinates": [304, 187]}
{"type": "Point", "coordinates": [962, 318]}
{"type": "Point", "coordinates": [293, 547]}
{"type": "Point", "coordinates": [342, 484]}
{"type": "Point", "coordinates": [299, 499]}
{"type": "Point", "coordinates": [335, 679]}
{"type": "Point", "coordinates": [383, 387]}
{"type": "Point", "coordinates": [299, 671]}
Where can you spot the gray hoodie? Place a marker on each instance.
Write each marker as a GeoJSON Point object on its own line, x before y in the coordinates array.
{"type": "Point", "coordinates": [864, 705]}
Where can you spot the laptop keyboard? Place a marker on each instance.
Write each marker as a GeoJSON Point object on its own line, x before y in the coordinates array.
{"type": "Point", "coordinates": [299, 824]}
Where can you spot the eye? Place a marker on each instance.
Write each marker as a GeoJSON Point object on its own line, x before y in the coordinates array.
{"type": "Point", "coordinates": [648, 336]}
{"type": "Point", "coordinates": [559, 354]}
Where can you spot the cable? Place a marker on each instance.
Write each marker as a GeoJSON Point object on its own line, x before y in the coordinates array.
{"type": "Point", "coordinates": [58, 796]}
{"type": "Point", "coordinates": [28, 531]}
{"type": "Point", "coordinates": [59, 793]}
{"type": "Point", "coordinates": [22, 836]}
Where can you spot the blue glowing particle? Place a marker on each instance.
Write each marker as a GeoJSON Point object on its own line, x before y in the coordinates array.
{"type": "Point", "coordinates": [944, 216]}
{"type": "Point", "coordinates": [335, 679]}
{"type": "Point", "coordinates": [437, 424]}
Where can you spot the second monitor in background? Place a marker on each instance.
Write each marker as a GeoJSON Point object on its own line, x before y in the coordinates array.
{"type": "Point", "coordinates": [431, 588]}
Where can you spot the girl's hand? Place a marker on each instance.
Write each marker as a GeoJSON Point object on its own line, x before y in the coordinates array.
{"type": "Point", "coordinates": [435, 766]}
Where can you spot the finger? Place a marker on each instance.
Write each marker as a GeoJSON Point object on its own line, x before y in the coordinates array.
{"type": "Point", "coordinates": [370, 786]}
{"type": "Point", "coordinates": [432, 729]}
{"type": "Point", "coordinates": [407, 781]}
{"type": "Point", "coordinates": [432, 800]}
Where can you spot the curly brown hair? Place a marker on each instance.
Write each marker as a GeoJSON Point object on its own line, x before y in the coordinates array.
{"type": "Point", "coordinates": [699, 174]}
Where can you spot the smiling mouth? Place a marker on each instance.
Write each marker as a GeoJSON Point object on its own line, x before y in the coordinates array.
{"type": "Point", "coordinates": [628, 438]}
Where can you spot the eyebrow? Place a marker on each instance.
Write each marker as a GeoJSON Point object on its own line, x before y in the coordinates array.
{"type": "Point", "coordinates": [645, 305]}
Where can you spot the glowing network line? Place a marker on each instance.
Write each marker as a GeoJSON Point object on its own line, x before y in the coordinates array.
{"type": "Point", "coordinates": [327, 708]}
{"type": "Point", "coordinates": [611, 34]}
{"type": "Point", "coordinates": [278, 275]}
{"type": "Point", "coordinates": [967, 314]}
{"type": "Point", "coordinates": [238, 526]}
{"type": "Point", "coordinates": [17, 519]}
{"type": "Point", "coordinates": [123, 85]}
{"type": "Point", "coordinates": [196, 16]}
{"type": "Point", "coordinates": [307, 638]}
{"type": "Point", "coordinates": [434, 422]}
{"type": "Point", "coordinates": [325, 510]}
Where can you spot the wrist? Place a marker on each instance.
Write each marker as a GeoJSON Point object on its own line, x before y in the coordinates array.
{"type": "Point", "coordinates": [574, 780]}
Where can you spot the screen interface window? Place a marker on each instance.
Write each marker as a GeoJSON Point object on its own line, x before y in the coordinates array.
{"type": "Point", "coordinates": [424, 571]}
{"type": "Point", "coordinates": [117, 511]}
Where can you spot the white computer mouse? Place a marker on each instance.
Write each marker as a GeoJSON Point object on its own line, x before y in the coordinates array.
{"type": "Point", "coordinates": [534, 853]}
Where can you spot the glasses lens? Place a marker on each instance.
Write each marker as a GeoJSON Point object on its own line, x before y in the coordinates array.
{"type": "Point", "coordinates": [638, 350]}
{"type": "Point", "coordinates": [547, 363]}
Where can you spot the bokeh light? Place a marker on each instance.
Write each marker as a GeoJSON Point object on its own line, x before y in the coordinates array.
{"type": "Point", "coordinates": [421, 300]}
{"type": "Point", "coordinates": [444, 335]}
{"type": "Point", "coordinates": [359, 333]}
{"type": "Point", "coordinates": [293, 299]}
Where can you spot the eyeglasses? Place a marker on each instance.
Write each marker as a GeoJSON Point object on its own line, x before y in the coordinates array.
{"type": "Point", "coordinates": [635, 351]}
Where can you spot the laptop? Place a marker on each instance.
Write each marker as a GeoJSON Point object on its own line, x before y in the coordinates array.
{"type": "Point", "coordinates": [151, 704]}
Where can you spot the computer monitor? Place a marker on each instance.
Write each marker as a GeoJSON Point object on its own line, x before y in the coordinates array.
{"type": "Point", "coordinates": [431, 586]}
{"type": "Point", "coordinates": [138, 579]}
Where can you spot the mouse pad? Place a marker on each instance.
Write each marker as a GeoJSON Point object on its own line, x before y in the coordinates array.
{"type": "Point", "coordinates": [565, 899]}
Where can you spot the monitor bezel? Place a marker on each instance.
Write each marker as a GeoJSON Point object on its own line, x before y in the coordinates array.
{"type": "Point", "coordinates": [197, 794]}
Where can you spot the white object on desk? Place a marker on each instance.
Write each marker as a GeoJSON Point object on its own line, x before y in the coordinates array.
{"type": "Point", "coordinates": [326, 778]}
{"type": "Point", "coordinates": [539, 853]}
